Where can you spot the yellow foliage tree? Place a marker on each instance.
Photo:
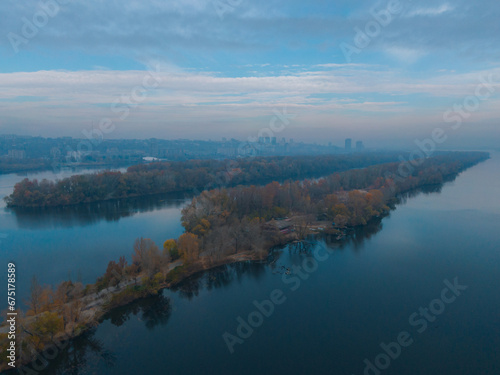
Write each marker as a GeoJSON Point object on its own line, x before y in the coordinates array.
{"type": "Point", "coordinates": [171, 249]}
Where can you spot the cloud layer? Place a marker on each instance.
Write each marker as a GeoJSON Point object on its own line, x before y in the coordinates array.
{"type": "Point", "coordinates": [233, 62]}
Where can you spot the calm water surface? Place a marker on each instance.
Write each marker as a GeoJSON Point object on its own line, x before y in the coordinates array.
{"type": "Point", "coordinates": [78, 242]}
{"type": "Point", "coordinates": [362, 295]}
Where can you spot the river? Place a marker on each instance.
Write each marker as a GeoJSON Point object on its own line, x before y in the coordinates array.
{"type": "Point", "coordinates": [76, 243]}
{"type": "Point", "coordinates": [333, 317]}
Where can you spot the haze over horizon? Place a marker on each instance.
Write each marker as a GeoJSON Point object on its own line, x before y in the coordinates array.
{"type": "Point", "coordinates": [213, 69]}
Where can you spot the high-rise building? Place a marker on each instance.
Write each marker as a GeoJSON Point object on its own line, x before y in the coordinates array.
{"type": "Point", "coordinates": [154, 148]}
{"type": "Point", "coordinates": [359, 146]}
{"type": "Point", "coordinates": [348, 144]}
{"type": "Point", "coordinates": [273, 140]}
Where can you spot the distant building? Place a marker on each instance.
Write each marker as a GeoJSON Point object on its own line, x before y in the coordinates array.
{"type": "Point", "coordinates": [16, 154]}
{"type": "Point", "coordinates": [55, 152]}
{"type": "Point", "coordinates": [227, 151]}
{"type": "Point", "coordinates": [267, 140]}
{"type": "Point", "coordinates": [359, 146]}
{"type": "Point", "coordinates": [261, 139]}
{"type": "Point", "coordinates": [154, 148]}
{"type": "Point", "coordinates": [273, 140]}
{"type": "Point", "coordinates": [171, 153]}
{"type": "Point", "coordinates": [76, 155]}
{"type": "Point", "coordinates": [348, 144]}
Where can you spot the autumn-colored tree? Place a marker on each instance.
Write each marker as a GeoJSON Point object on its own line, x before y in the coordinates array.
{"type": "Point", "coordinates": [170, 249]}
{"type": "Point", "coordinates": [202, 227]}
{"type": "Point", "coordinates": [270, 191]}
{"type": "Point", "coordinates": [72, 313]}
{"type": "Point", "coordinates": [357, 206]}
{"type": "Point", "coordinates": [115, 272]}
{"type": "Point", "coordinates": [47, 325]}
{"type": "Point", "coordinates": [189, 247]}
{"type": "Point", "coordinates": [147, 256]}
{"type": "Point", "coordinates": [331, 200]}
{"type": "Point", "coordinates": [132, 270]}
{"type": "Point", "coordinates": [61, 294]}
{"type": "Point", "coordinates": [375, 198]}
{"type": "Point", "coordinates": [341, 221]}
{"type": "Point", "coordinates": [35, 296]}
{"type": "Point", "coordinates": [46, 299]}
{"type": "Point", "coordinates": [339, 209]}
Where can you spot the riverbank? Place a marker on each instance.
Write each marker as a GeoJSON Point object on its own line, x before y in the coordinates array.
{"type": "Point", "coordinates": [47, 166]}
{"type": "Point", "coordinates": [95, 306]}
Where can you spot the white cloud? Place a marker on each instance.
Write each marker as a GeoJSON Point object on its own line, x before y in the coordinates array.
{"type": "Point", "coordinates": [406, 55]}
{"type": "Point", "coordinates": [70, 100]}
{"type": "Point", "coordinates": [431, 11]}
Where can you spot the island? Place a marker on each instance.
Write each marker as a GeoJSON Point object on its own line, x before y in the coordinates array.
{"type": "Point", "coordinates": [185, 176]}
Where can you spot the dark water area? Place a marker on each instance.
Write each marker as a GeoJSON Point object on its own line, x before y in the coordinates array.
{"type": "Point", "coordinates": [77, 242]}
{"type": "Point", "coordinates": [336, 305]}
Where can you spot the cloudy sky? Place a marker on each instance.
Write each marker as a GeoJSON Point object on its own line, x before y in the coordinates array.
{"type": "Point", "coordinates": [387, 72]}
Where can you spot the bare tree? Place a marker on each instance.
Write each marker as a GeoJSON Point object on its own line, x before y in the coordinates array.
{"type": "Point", "coordinates": [147, 256]}
{"type": "Point", "coordinates": [36, 295]}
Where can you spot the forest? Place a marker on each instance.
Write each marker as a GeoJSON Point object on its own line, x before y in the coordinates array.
{"type": "Point", "coordinates": [221, 225]}
{"type": "Point", "coordinates": [192, 175]}
{"type": "Point", "coordinates": [221, 222]}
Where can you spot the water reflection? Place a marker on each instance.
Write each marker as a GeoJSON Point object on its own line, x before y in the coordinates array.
{"type": "Point", "coordinates": [92, 213]}
{"type": "Point", "coordinates": [219, 277]}
{"type": "Point", "coordinates": [426, 190]}
{"type": "Point", "coordinates": [153, 311]}
{"type": "Point", "coordinates": [75, 357]}
{"type": "Point", "coordinates": [85, 353]}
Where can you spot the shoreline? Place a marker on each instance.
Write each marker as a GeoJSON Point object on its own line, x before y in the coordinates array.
{"type": "Point", "coordinates": [66, 166]}
{"type": "Point", "coordinates": [97, 305]}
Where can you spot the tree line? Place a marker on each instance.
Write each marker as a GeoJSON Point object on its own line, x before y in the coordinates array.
{"type": "Point", "coordinates": [192, 175]}
{"type": "Point", "coordinates": [225, 221]}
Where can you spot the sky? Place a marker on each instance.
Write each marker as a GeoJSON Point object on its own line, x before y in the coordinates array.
{"type": "Point", "coordinates": [388, 73]}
